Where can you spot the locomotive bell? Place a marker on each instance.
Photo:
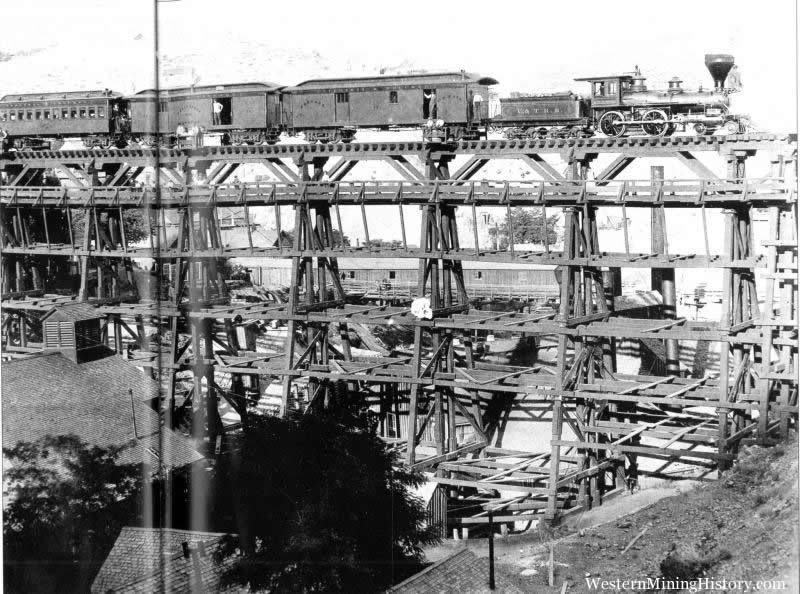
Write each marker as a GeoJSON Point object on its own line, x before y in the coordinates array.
{"type": "Point", "coordinates": [719, 65]}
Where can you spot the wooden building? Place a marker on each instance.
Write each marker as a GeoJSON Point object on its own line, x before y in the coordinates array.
{"type": "Point", "coordinates": [367, 274]}
{"type": "Point", "coordinates": [74, 331]}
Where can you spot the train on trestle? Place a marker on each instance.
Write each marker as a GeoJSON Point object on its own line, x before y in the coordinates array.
{"type": "Point", "coordinates": [446, 106]}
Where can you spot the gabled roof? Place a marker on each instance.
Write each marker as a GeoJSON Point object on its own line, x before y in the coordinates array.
{"type": "Point", "coordinates": [461, 572]}
{"type": "Point", "coordinates": [74, 312]}
{"type": "Point", "coordinates": [151, 560]}
{"type": "Point", "coordinates": [51, 395]}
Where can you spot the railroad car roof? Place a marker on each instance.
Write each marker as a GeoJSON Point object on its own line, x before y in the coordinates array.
{"type": "Point", "coordinates": [101, 94]}
{"type": "Point", "coordinates": [398, 79]}
{"type": "Point", "coordinates": [209, 89]}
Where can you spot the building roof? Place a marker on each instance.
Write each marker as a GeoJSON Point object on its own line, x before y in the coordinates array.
{"type": "Point", "coordinates": [367, 263]}
{"type": "Point", "coordinates": [50, 395]}
{"type": "Point", "coordinates": [73, 312]}
{"type": "Point", "coordinates": [462, 572]}
{"type": "Point", "coordinates": [151, 560]}
{"type": "Point", "coordinates": [236, 237]}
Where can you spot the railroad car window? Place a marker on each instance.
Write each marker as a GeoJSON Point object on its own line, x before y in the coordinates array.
{"type": "Point", "coordinates": [29, 115]}
{"type": "Point", "coordinates": [38, 115]}
{"type": "Point", "coordinates": [351, 274]}
{"type": "Point", "coordinates": [599, 89]}
{"type": "Point", "coordinates": [12, 116]}
{"type": "Point", "coordinates": [64, 114]}
{"type": "Point", "coordinates": [392, 96]}
{"type": "Point", "coordinates": [163, 106]}
{"type": "Point", "coordinates": [392, 274]}
{"type": "Point", "coordinates": [55, 114]}
{"type": "Point", "coordinates": [83, 112]}
{"type": "Point", "coordinates": [46, 114]}
{"type": "Point", "coordinates": [342, 97]}
{"type": "Point", "coordinates": [20, 115]}
{"type": "Point", "coordinates": [73, 113]}
{"type": "Point", "coordinates": [101, 112]}
{"type": "Point", "coordinates": [3, 116]}
{"type": "Point", "coordinates": [91, 112]}
{"type": "Point", "coordinates": [612, 88]}
{"type": "Point", "coordinates": [478, 274]}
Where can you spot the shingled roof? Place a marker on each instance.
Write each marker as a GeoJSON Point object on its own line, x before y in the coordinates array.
{"type": "Point", "coordinates": [462, 572]}
{"type": "Point", "coordinates": [75, 312]}
{"type": "Point", "coordinates": [151, 560]}
{"type": "Point", "coordinates": [50, 395]}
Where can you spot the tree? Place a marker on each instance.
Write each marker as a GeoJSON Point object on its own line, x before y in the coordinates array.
{"type": "Point", "coordinates": [340, 239]}
{"type": "Point", "coordinates": [527, 226]}
{"type": "Point", "coordinates": [136, 228]}
{"type": "Point", "coordinates": [67, 502]}
{"type": "Point", "coordinates": [320, 504]}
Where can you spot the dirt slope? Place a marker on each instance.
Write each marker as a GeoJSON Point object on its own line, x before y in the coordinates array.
{"type": "Point", "coordinates": [742, 527]}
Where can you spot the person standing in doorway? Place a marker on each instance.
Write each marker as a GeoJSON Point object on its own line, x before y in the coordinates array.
{"type": "Point", "coordinates": [218, 107]}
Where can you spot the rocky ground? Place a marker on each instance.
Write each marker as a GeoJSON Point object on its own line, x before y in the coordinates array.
{"type": "Point", "coordinates": [741, 527]}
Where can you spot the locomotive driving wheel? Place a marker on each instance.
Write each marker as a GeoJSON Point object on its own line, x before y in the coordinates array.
{"type": "Point", "coordinates": [612, 123]}
{"type": "Point", "coordinates": [656, 122]}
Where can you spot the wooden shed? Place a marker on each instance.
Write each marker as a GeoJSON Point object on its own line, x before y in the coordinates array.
{"type": "Point", "coordinates": [74, 331]}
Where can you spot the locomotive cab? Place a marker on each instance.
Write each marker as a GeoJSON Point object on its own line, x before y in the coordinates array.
{"type": "Point", "coordinates": [607, 102]}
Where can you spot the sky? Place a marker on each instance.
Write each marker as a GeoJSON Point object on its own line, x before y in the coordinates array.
{"type": "Point", "coordinates": [526, 45]}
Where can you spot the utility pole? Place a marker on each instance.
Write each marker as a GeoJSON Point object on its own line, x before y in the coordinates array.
{"type": "Point", "coordinates": [491, 550]}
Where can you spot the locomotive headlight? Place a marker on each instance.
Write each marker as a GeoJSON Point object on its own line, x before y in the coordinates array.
{"type": "Point", "coordinates": [439, 123]}
{"type": "Point", "coordinates": [429, 123]}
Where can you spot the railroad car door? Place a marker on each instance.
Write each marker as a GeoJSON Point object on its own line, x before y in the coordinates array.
{"type": "Point", "coordinates": [341, 107]}
{"type": "Point", "coordinates": [163, 115]}
{"type": "Point", "coordinates": [451, 104]}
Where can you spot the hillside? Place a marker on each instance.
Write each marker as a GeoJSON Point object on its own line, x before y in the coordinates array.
{"type": "Point", "coordinates": [741, 527]}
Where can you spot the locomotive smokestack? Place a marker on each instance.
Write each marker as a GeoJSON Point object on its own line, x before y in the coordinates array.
{"type": "Point", "coordinates": [719, 65]}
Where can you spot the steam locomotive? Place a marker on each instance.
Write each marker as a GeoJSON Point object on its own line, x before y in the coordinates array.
{"type": "Point", "coordinates": [622, 103]}
{"type": "Point", "coordinates": [446, 106]}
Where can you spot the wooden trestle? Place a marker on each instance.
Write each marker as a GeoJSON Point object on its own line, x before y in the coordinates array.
{"type": "Point", "coordinates": [80, 230]}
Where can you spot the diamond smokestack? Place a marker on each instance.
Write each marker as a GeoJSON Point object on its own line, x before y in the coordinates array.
{"type": "Point", "coordinates": [719, 65]}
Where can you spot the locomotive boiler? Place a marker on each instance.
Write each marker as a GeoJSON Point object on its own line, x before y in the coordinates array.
{"type": "Point", "coordinates": [447, 106]}
{"type": "Point", "coordinates": [624, 103]}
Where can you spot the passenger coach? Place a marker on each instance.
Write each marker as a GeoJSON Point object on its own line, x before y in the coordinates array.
{"type": "Point", "coordinates": [45, 120]}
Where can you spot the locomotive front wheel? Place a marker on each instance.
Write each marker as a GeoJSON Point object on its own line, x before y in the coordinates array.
{"type": "Point", "coordinates": [612, 123]}
{"type": "Point", "coordinates": [656, 123]}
